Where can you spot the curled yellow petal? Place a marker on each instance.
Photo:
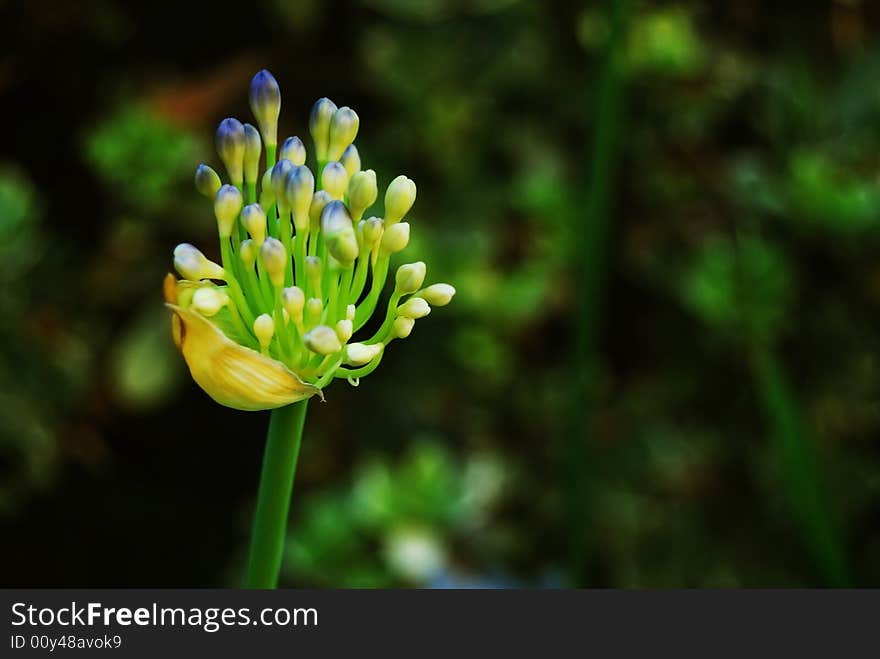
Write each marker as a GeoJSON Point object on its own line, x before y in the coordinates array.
{"type": "Point", "coordinates": [231, 374]}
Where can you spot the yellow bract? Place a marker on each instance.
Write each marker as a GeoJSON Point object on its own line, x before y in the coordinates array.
{"type": "Point", "coordinates": [231, 374]}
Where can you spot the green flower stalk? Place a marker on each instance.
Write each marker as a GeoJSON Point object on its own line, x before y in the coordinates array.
{"type": "Point", "coordinates": [301, 274]}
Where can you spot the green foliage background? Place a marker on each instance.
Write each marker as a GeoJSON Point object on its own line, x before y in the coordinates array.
{"type": "Point", "coordinates": [730, 432]}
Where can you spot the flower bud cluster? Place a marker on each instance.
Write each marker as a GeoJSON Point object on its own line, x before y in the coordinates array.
{"type": "Point", "coordinates": [301, 271]}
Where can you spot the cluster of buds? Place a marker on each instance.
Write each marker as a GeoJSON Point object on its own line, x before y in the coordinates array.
{"type": "Point", "coordinates": [302, 269]}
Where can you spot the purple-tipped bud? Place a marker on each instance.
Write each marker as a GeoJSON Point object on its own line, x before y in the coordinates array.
{"type": "Point", "coordinates": [253, 147]}
{"type": "Point", "coordinates": [230, 147]}
{"type": "Point", "coordinates": [265, 100]}
{"type": "Point", "coordinates": [293, 150]}
{"type": "Point", "coordinates": [351, 160]}
{"type": "Point", "coordinates": [279, 181]}
{"type": "Point", "coordinates": [319, 126]}
{"type": "Point", "coordinates": [207, 181]}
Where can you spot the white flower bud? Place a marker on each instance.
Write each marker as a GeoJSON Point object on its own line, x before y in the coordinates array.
{"type": "Point", "coordinates": [264, 328]}
{"type": "Point", "coordinates": [253, 148]}
{"type": "Point", "coordinates": [314, 309]}
{"type": "Point", "coordinates": [395, 238]}
{"type": "Point", "coordinates": [343, 130]}
{"type": "Point", "coordinates": [351, 160]}
{"type": "Point", "coordinates": [358, 354]}
{"type": "Point", "coordinates": [194, 265]}
{"type": "Point", "coordinates": [293, 150]}
{"type": "Point", "coordinates": [362, 192]}
{"type": "Point", "coordinates": [339, 233]}
{"type": "Point", "coordinates": [253, 219]}
{"type": "Point", "coordinates": [319, 126]}
{"type": "Point", "coordinates": [371, 231]}
{"type": "Point", "coordinates": [208, 301]}
{"type": "Point", "coordinates": [274, 258]}
{"type": "Point", "coordinates": [334, 179]}
{"type": "Point", "coordinates": [300, 189]}
{"type": "Point", "coordinates": [409, 277]}
{"type": "Point", "coordinates": [438, 295]}
{"type": "Point", "coordinates": [415, 308]}
{"type": "Point", "coordinates": [227, 206]}
{"type": "Point", "coordinates": [344, 329]}
{"type": "Point", "coordinates": [248, 252]}
{"type": "Point", "coordinates": [350, 311]}
{"type": "Point", "coordinates": [322, 340]}
{"type": "Point", "coordinates": [399, 198]}
{"type": "Point", "coordinates": [293, 300]}
{"type": "Point", "coordinates": [402, 327]}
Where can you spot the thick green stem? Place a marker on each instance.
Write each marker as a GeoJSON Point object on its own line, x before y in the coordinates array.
{"type": "Point", "coordinates": [799, 464]}
{"type": "Point", "coordinates": [273, 499]}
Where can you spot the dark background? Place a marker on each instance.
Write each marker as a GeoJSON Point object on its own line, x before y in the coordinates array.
{"type": "Point", "coordinates": [660, 369]}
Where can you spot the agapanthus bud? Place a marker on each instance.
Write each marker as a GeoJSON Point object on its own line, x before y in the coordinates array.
{"type": "Point", "coordinates": [319, 126]}
{"type": "Point", "coordinates": [293, 299]}
{"type": "Point", "coordinates": [343, 129]}
{"type": "Point", "coordinates": [207, 181]}
{"type": "Point", "coordinates": [438, 295]}
{"type": "Point", "coordinates": [293, 150]}
{"type": "Point", "coordinates": [194, 265]}
{"type": "Point", "coordinates": [358, 354]}
{"type": "Point", "coordinates": [267, 194]}
{"type": "Point", "coordinates": [279, 181]}
{"type": "Point", "coordinates": [300, 189]}
{"type": "Point", "coordinates": [402, 327]}
{"type": "Point", "coordinates": [253, 148]}
{"type": "Point", "coordinates": [334, 179]}
{"type": "Point", "coordinates": [339, 232]}
{"type": "Point", "coordinates": [362, 192]}
{"type": "Point", "coordinates": [319, 201]}
{"type": "Point", "coordinates": [344, 329]}
{"type": "Point", "coordinates": [350, 311]}
{"type": "Point", "coordinates": [227, 206]}
{"type": "Point", "coordinates": [314, 309]}
{"type": "Point", "coordinates": [351, 160]}
{"type": "Point", "coordinates": [322, 340]}
{"type": "Point", "coordinates": [399, 198]}
{"type": "Point", "coordinates": [410, 277]}
{"type": "Point", "coordinates": [265, 100]}
{"type": "Point", "coordinates": [248, 252]}
{"type": "Point", "coordinates": [253, 219]}
{"type": "Point", "coordinates": [230, 146]}
{"type": "Point", "coordinates": [372, 231]}
{"type": "Point", "coordinates": [395, 238]}
{"type": "Point", "coordinates": [414, 308]}
{"type": "Point", "coordinates": [208, 301]}
{"type": "Point", "coordinates": [264, 328]}
{"type": "Point", "coordinates": [274, 258]}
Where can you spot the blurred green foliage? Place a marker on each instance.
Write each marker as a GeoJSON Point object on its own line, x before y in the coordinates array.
{"type": "Point", "coordinates": [395, 524]}
{"type": "Point", "coordinates": [141, 154]}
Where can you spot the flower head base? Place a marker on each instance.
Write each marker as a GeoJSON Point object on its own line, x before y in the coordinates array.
{"type": "Point", "coordinates": [301, 273]}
